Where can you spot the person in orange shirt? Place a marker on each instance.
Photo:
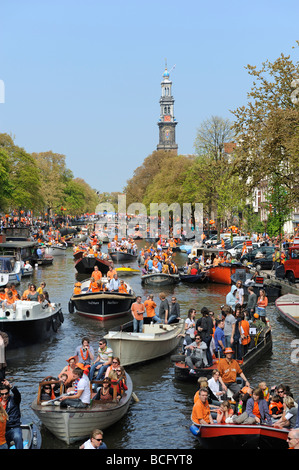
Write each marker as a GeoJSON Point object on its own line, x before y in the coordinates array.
{"type": "Point", "coordinates": [96, 274]}
{"type": "Point", "coordinates": [26, 292]}
{"type": "Point", "coordinates": [93, 286]}
{"type": "Point", "coordinates": [122, 288]}
{"type": "Point", "coordinates": [229, 369]}
{"type": "Point", "coordinates": [77, 288]}
{"type": "Point", "coordinates": [9, 301]}
{"type": "Point", "coordinates": [262, 303]}
{"type": "Point", "coordinates": [3, 420]}
{"type": "Point", "coordinates": [111, 272]}
{"type": "Point", "coordinates": [150, 306]}
{"type": "Point", "coordinates": [137, 310]}
{"type": "Point", "coordinates": [201, 409]}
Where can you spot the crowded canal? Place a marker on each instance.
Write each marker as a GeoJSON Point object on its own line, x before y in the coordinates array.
{"type": "Point", "coordinates": [160, 418]}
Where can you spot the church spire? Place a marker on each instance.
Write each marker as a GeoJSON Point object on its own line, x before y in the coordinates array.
{"type": "Point", "coordinates": [167, 121]}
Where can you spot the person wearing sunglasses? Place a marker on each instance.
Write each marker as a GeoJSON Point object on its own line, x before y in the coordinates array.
{"type": "Point", "coordinates": [95, 441]}
{"type": "Point", "coordinates": [10, 399]}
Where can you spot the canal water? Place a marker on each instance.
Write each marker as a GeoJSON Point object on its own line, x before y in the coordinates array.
{"type": "Point", "coordinates": [161, 417]}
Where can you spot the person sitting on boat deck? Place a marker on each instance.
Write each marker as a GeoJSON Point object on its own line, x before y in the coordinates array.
{"type": "Point", "coordinates": [111, 370]}
{"type": "Point", "coordinates": [105, 393]}
{"type": "Point", "coordinates": [163, 307]}
{"type": "Point", "coordinates": [262, 303]}
{"type": "Point", "coordinates": [215, 387]}
{"type": "Point", "coordinates": [85, 352]}
{"type": "Point", "coordinates": [68, 370]}
{"type": "Point", "coordinates": [198, 356]}
{"type": "Point", "coordinates": [263, 386]}
{"type": "Point", "coordinates": [189, 329]}
{"type": "Point", "coordinates": [121, 381]}
{"type": "Point", "coordinates": [165, 268]}
{"type": "Point", "coordinates": [150, 306]}
{"type": "Point", "coordinates": [93, 285]}
{"type": "Point", "coordinates": [81, 399]}
{"type": "Point", "coordinates": [47, 393]}
{"type": "Point", "coordinates": [96, 274]}
{"type": "Point", "coordinates": [137, 311]}
{"type": "Point", "coordinates": [102, 362]}
{"type": "Point", "coordinates": [217, 260]}
{"type": "Point", "coordinates": [10, 398]}
{"type": "Point", "coordinates": [33, 294]}
{"type": "Point", "coordinates": [257, 410]}
{"type": "Point", "coordinates": [201, 413]}
{"type": "Point", "coordinates": [174, 311]}
{"type": "Point", "coordinates": [26, 292]}
{"type": "Point", "coordinates": [14, 291]}
{"type": "Point", "coordinates": [77, 288]}
{"type": "Point", "coordinates": [42, 300]}
{"type": "Point", "coordinates": [114, 284]}
{"type": "Point", "coordinates": [224, 413]}
{"type": "Point", "coordinates": [40, 289]}
{"type": "Point", "coordinates": [240, 398]}
{"type": "Point", "coordinates": [95, 441]}
{"type": "Point", "coordinates": [231, 300]}
{"type": "Point", "coordinates": [229, 369]}
{"type": "Point", "coordinates": [289, 414]}
{"type": "Point", "coordinates": [122, 288]}
{"type": "Point", "coordinates": [9, 301]}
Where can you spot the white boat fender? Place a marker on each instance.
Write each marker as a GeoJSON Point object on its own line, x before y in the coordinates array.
{"type": "Point", "coordinates": [135, 398]}
{"type": "Point", "coordinates": [195, 430]}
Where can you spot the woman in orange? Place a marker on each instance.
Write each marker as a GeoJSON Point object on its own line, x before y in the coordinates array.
{"type": "Point", "coordinates": [262, 303]}
{"type": "Point", "coordinates": [93, 286]}
{"type": "Point", "coordinates": [77, 288]}
{"type": "Point", "coordinates": [122, 288]}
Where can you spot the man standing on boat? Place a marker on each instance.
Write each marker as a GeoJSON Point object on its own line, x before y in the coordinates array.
{"type": "Point", "coordinates": [229, 369]}
{"type": "Point", "coordinates": [137, 310]}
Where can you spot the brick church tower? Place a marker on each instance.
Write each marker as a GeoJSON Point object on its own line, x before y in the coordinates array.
{"type": "Point", "coordinates": [167, 121]}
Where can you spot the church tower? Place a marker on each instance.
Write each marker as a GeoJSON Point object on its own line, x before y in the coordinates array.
{"type": "Point", "coordinates": [167, 121]}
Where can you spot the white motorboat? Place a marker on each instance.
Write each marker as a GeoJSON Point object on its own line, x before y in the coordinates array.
{"type": "Point", "coordinates": [55, 249]}
{"type": "Point", "coordinates": [10, 270]}
{"type": "Point", "coordinates": [288, 308]}
{"type": "Point", "coordinates": [155, 341]}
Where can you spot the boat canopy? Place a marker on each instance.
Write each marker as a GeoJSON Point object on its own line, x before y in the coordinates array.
{"type": "Point", "coordinates": [6, 265]}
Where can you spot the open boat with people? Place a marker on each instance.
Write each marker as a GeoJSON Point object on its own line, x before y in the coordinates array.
{"type": "Point", "coordinates": [288, 308]}
{"type": "Point", "coordinates": [222, 273]}
{"type": "Point", "coordinates": [159, 279]}
{"type": "Point", "coordinates": [240, 436]}
{"type": "Point", "coordinates": [75, 424]}
{"type": "Point", "coordinates": [156, 340]}
{"type": "Point", "coordinates": [30, 322]}
{"type": "Point", "coordinates": [31, 437]}
{"type": "Point", "coordinates": [260, 344]}
{"type": "Point", "coordinates": [103, 305]}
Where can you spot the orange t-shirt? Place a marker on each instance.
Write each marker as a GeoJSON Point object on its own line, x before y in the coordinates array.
{"type": "Point", "coordinates": [93, 286]}
{"type": "Point", "coordinates": [201, 411]}
{"type": "Point", "coordinates": [229, 414]}
{"type": "Point", "coordinates": [229, 370]}
{"type": "Point", "coordinates": [2, 431]}
{"type": "Point", "coordinates": [256, 410]}
{"type": "Point", "coordinates": [97, 275]}
{"type": "Point", "coordinates": [110, 274]}
{"type": "Point", "coordinates": [150, 306]}
{"type": "Point", "coordinates": [137, 310]}
{"type": "Point", "coordinates": [122, 289]}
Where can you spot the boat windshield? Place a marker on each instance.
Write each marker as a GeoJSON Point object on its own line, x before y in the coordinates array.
{"type": "Point", "coordinates": [5, 265]}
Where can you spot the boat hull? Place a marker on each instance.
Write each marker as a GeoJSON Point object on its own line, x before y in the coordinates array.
{"type": "Point", "coordinates": [288, 308]}
{"type": "Point", "coordinates": [29, 326]}
{"type": "Point", "coordinates": [55, 250]}
{"type": "Point", "coordinates": [86, 264]}
{"type": "Point", "coordinates": [159, 279]}
{"type": "Point", "coordinates": [119, 256]}
{"type": "Point", "coordinates": [229, 436]}
{"type": "Point", "coordinates": [157, 340]}
{"type": "Point", "coordinates": [72, 425]}
{"type": "Point", "coordinates": [193, 279]}
{"type": "Point", "coordinates": [221, 274]}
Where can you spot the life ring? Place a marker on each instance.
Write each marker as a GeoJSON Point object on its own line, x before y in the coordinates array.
{"type": "Point", "coordinates": [71, 307]}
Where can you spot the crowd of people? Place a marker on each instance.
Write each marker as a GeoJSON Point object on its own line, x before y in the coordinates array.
{"type": "Point", "coordinates": [10, 294]}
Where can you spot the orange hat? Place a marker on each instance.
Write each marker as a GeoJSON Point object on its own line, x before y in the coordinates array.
{"type": "Point", "coordinates": [228, 350]}
{"type": "Point", "coordinates": [80, 365]}
{"type": "Point", "coordinates": [72, 357]}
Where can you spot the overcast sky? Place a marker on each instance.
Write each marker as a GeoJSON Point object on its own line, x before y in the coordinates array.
{"type": "Point", "coordinates": [82, 78]}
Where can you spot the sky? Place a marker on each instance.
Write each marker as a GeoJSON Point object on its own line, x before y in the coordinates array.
{"type": "Point", "coordinates": [83, 78]}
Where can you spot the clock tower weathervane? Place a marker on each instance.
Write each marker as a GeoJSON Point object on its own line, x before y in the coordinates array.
{"type": "Point", "coordinates": [167, 121]}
